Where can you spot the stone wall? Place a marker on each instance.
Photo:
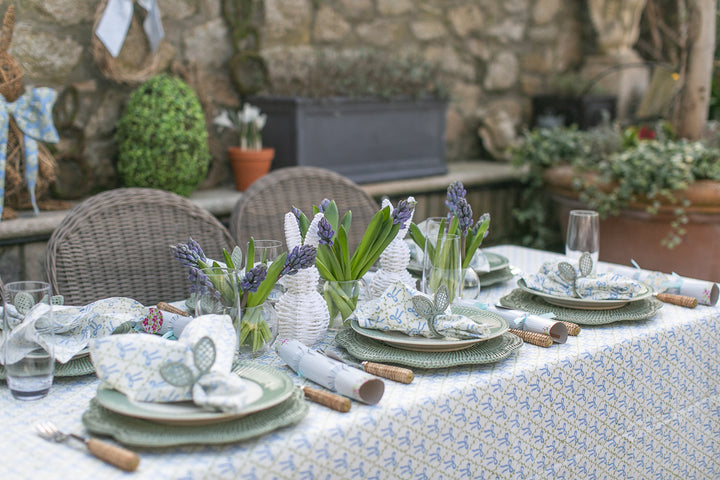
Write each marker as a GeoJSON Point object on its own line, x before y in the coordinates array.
{"type": "Point", "coordinates": [493, 53]}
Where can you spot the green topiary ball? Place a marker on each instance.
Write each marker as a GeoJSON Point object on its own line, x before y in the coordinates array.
{"type": "Point", "coordinates": [162, 139]}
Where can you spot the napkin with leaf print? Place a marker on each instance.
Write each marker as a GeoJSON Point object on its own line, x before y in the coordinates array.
{"type": "Point", "coordinates": [566, 280]}
{"type": "Point", "coordinates": [70, 328]}
{"type": "Point", "coordinates": [196, 367]}
{"type": "Point", "coordinates": [395, 310]}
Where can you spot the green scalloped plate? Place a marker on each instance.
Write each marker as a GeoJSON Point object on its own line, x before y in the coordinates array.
{"type": "Point", "coordinates": [78, 366]}
{"type": "Point", "coordinates": [529, 302]}
{"type": "Point", "coordinates": [137, 432]}
{"type": "Point", "coordinates": [496, 323]}
{"type": "Point", "coordinates": [268, 387]}
{"type": "Point", "coordinates": [491, 351]}
{"type": "Point", "coordinates": [581, 303]}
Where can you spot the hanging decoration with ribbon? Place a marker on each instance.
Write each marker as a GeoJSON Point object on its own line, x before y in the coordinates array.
{"type": "Point", "coordinates": [32, 113]}
{"type": "Point", "coordinates": [115, 22]}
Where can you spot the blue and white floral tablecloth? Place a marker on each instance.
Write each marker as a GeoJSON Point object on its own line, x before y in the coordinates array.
{"type": "Point", "coordinates": [636, 400]}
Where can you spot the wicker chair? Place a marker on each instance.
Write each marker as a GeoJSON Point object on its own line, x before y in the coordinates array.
{"type": "Point", "coordinates": [117, 243]}
{"type": "Point", "coordinates": [260, 212]}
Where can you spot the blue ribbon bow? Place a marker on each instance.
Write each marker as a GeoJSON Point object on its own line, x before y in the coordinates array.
{"type": "Point", "coordinates": [33, 115]}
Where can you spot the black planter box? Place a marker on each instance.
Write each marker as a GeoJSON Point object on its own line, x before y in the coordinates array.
{"type": "Point", "coordinates": [365, 140]}
{"type": "Point", "coordinates": [585, 111]}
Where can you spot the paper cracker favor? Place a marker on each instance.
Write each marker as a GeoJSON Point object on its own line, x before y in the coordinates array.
{"type": "Point", "coordinates": [331, 374]}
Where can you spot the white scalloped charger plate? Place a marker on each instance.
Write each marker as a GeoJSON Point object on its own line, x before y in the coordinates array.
{"type": "Point", "coordinates": [497, 324]}
{"type": "Point", "coordinates": [581, 303]}
{"type": "Point", "coordinates": [268, 385]}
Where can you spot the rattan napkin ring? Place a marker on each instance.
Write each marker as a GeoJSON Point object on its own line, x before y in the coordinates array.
{"type": "Point", "coordinates": [431, 309]}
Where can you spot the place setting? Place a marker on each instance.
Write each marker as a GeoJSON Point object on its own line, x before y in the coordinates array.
{"type": "Point", "coordinates": [573, 290]}
{"type": "Point", "coordinates": [33, 317]}
{"type": "Point", "coordinates": [157, 392]}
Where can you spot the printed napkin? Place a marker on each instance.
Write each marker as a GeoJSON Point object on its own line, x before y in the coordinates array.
{"type": "Point", "coordinates": [395, 310]}
{"type": "Point", "coordinates": [196, 367]}
{"type": "Point", "coordinates": [75, 326]}
{"type": "Point", "coordinates": [603, 286]}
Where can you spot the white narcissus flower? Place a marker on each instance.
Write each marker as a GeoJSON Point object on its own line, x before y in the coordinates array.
{"type": "Point", "coordinates": [223, 120]}
{"type": "Point", "coordinates": [249, 113]}
{"type": "Point", "coordinates": [260, 121]}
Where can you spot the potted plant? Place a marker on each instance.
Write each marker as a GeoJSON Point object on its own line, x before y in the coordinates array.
{"type": "Point", "coordinates": [368, 116]}
{"type": "Point", "coordinates": [249, 160]}
{"type": "Point", "coordinates": [162, 139]}
{"type": "Point", "coordinates": [658, 196]}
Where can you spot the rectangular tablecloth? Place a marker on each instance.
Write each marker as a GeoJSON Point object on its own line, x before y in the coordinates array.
{"type": "Point", "coordinates": [636, 400]}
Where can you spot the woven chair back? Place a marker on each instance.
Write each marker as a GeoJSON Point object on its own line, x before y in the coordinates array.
{"type": "Point", "coordinates": [260, 212]}
{"type": "Point", "coordinates": [117, 243]}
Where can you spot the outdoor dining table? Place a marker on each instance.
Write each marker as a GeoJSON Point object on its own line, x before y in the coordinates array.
{"type": "Point", "coordinates": [633, 399]}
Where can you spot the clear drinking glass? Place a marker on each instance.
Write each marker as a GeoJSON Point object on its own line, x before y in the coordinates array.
{"type": "Point", "coordinates": [265, 252]}
{"type": "Point", "coordinates": [583, 235]}
{"type": "Point", "coordinates": [430, 229]}
{"type": "Point", "coordinates": [442, 263]}
{"type": "Point", "coordinates": [27, 339]}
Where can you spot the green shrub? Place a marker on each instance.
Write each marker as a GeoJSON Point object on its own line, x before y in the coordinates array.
{"type": "Point", "coordinates": [162, 139]}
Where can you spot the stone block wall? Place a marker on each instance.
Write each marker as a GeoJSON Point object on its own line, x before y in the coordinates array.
{"type": "Point", "coordinates": [493, 53]}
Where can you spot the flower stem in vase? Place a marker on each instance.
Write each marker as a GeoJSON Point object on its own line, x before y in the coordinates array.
{"type": "Point", "coordinates": [341, 298]}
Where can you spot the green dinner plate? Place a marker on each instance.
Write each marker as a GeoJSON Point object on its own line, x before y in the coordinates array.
{"type": "Point", "coordinates": [495, 322]}
{"type": "Point", "coordinates": [136, 432]}
{"type": "Point", "coordinates": [491, 351]}
{"type": "Point", "coordinates": [267, 386]}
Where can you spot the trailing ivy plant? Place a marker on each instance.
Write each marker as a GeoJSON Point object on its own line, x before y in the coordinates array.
{"type": "Point", "coordinates": [613, 168]}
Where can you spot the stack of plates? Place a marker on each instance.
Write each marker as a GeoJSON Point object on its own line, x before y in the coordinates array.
{"type": "Point", "coordinates": [275, 403]}
{"type": "Point", "coordinates": [582, 311]}
{"type": "Point", "coordinates": [422, 352]}
{"type": "Point", "coordinates": [499, 270]}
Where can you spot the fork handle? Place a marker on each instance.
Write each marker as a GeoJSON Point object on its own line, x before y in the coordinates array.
{"type": "Point", "coordinates": [122, 458]}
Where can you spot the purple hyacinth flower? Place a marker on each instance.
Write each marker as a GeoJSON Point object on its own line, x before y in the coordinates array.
{"type": "Point", "coordinates": [200, 282]}
{"type": "Point", "coordinates": [463, 212]}
{"type": "Point", "coordinates": [455, 192]}
{"type": "Point", "coordinates": [188, 253]}
{"type": "Point", "coordinates": [298, 259]}
{"type": "Point", "coordinates": [253, 278]}
{"type": "Point", "coordinates": [402, 213]}
{"type": "Point", "coordinates": [483, 218]}
{"type": "Point", "coordinates": [297, 212]}
{"type": "Point", "coordinates": [323, 205]}
{"type": "Point", "coordinates": [325, 232]}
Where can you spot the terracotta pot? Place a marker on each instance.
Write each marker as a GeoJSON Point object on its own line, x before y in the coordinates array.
{"type": "Point", "coordinates": [249, 165]}
{"type": "Point", "coordinates": [635, 234]}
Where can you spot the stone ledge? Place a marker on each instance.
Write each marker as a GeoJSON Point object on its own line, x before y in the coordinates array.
{"type": "Point", "coordinates": [220, 201]}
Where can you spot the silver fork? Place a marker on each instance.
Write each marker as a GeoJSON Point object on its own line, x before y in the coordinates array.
{"type": "Point", "coordinates": [117, 456]}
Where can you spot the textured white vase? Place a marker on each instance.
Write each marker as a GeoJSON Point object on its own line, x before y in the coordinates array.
{"type": "Point", "coordinates": [393, 262]}
{"type": "Point", "coordinates": [302, 311]}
